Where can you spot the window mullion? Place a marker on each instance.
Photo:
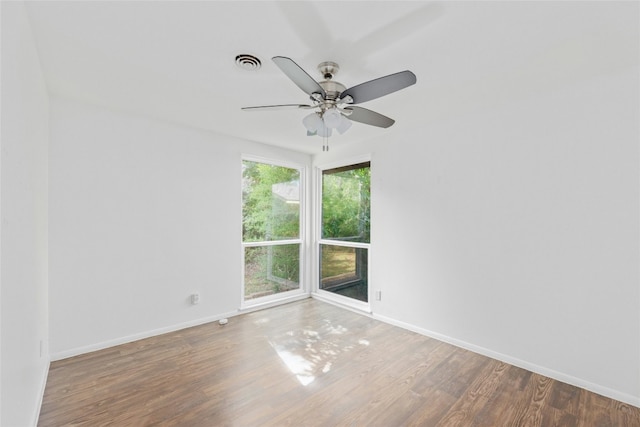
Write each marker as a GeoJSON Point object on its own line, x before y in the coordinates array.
{"type": "Point", "coordinates": [344, 243]}
{"type": "Point", "coordinates": [271, 243]}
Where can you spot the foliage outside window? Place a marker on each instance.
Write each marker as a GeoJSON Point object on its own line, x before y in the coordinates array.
{"type": "Point", "coordinates": [270, 202]}
{"type": "Point", "coordinates": [343, 270]}
{"type": "Point", "coordinates": [345, 231]}
{"type": "Point", "coordinates": [346, 203]}
{"type": "Point", "coordinates": [271, 270]}
{"type": "Point", "coordinates": [270, 215]}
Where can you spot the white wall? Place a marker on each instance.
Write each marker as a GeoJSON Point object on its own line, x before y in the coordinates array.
{"type": "Point", "coordinates": [142, 214]}
{"type": "Point", "coordinates": [513, 230]}
{"type": "Point", "coordinates": [23, 278]}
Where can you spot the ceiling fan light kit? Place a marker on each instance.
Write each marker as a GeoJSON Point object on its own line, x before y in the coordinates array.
{"type": "Point", "coordinates": [321, 124]}
{"type": "Point", "coordinates": [333, 102]}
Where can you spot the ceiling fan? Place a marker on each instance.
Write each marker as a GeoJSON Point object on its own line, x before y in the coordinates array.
{"type": "Point", "coordinates": [333, 102]}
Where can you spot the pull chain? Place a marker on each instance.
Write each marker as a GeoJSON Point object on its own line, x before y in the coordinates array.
{"type": "Point", "coordinates": [325, 143]}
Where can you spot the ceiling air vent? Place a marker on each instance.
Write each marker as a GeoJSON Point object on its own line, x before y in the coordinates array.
{"type": "Point", "coordinates": [248, 62]}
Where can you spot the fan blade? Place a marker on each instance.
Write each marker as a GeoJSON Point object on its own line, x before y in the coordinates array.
{"type": "Point", "coordinates": [278, 107]}
{"type": "Point", "coordinates": [379, 87]}
{"type": "Point", "coordinates": [298, 75]}
{"type": "Point", "coordinates": [368, 117]}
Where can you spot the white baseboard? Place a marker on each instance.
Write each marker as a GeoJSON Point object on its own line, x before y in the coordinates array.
{"type": "Point", "coordinates": [135, 337]}
{"type": "Point", "coordinates": [578, 382]}
{"type": "Point", "coordinates": [343, 302]}
{"type": "Point", "coordinates": [43, 386]}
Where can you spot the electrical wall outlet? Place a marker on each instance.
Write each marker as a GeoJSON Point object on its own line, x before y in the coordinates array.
{"type": "Point", "coordinates": [195, 299]}
{"type": "Point", "coordinates": [378, 295]}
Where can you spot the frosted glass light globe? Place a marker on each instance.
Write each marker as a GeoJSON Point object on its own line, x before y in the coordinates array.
{"type": "Point", "coordinates": [312, 122]}
{"type": "Point", "coordinates": [332, 118]}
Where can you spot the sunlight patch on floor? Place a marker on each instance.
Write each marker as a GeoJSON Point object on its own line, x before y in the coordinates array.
{"type": "Point", "coordinates": [309, 353]}
{"type": "Point", "coordinates": [298, 365]}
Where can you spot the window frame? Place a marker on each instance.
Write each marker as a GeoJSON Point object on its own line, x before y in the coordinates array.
{"type": "Point", "coordinates": [318, 240]}
{"type": "Point", "coordinates": [285, 296]}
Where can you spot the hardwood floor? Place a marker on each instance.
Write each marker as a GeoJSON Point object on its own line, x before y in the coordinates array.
{"type": "Point", "coordinates": [310, 364]}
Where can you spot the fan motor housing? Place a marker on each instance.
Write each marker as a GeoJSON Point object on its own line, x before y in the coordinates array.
{"type": "Point", "coordinates": [332, 89]}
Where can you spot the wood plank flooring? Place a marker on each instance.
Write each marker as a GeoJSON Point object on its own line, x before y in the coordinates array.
{"type": "Point", "coordinates": [310, 364]}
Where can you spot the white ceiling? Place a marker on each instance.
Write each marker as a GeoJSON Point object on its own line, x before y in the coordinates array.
{"type": "Point", "coordinates": [175, 61]}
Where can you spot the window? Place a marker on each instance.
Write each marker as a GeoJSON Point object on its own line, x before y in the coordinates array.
{"type": "Point", "coordinates": [345, 231]}
{"type": "Point", "coordinates": [271, 230]}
